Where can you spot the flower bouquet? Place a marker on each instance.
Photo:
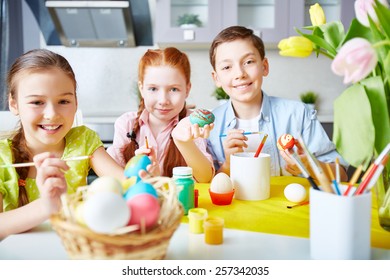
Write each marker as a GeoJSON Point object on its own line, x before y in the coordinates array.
{"type": "Point", "coordinates": [362, 55]}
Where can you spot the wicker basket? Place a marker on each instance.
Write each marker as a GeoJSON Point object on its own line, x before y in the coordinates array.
{"type": "Point", "coordinates": [82, 243]}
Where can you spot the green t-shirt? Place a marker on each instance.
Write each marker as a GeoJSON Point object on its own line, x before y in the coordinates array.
{"type": "Point", "coordinates": [80, 141]}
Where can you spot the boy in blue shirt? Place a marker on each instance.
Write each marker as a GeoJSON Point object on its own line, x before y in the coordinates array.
{"type": "Point", "coordinates": [239, 65]}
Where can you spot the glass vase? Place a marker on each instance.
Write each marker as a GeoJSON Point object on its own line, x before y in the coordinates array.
{"type": "Point", "coordinates": [383, 198]}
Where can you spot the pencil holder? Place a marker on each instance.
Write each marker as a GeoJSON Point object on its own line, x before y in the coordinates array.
{"type": "Point", "coordinates": [340, 226]}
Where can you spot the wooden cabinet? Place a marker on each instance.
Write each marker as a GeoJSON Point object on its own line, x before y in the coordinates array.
{"type": "Point", "coordinates": [272, 20]}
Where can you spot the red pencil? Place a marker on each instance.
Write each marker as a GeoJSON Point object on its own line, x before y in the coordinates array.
{"type": "Point", "coordinates": [261, 145]}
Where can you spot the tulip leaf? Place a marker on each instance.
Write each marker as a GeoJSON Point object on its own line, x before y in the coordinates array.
{"type": "Point", "coordinates": [356, 29]}
{"type": "Point", "coordinates": [380, 115]}
{"type": "Point", "coordinates": [354, 132]}
{"type": "Point", "coordinates": [383, 14]}
{"type": "Point", "coordinates": [377, 37]}
{"type": "Point", "coordinates": [320, 42]}
{"type": "Point", "coordinates": [386, 66]}
{"type": "Point", "coordinates": [333, 32]}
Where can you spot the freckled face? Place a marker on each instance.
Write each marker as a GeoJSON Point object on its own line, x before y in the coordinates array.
{"type": "Point", "coordinates": [46, 104]}
{"type": "Point", "coordinates": [164, 90]}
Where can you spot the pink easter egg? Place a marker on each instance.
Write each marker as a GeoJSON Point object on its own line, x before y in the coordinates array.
{"type": "Point", "coordinates": [144, 207]}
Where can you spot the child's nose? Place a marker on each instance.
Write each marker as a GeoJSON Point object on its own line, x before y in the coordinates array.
{"type": "Point", "coordinates": [239, 73]}
{"type": "Point", "coordinates": [49, 112]}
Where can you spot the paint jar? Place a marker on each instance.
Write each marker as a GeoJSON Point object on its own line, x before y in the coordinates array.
{"type": "Point", "coordinates": [196, 217]}
{"type": "Point", "coordinates": [182, 176]}
{"type": "Point", "coordinates": [213, 230]}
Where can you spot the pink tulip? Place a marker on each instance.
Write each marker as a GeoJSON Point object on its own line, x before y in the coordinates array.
{"type": "Point", "coordinates": [363, 8]}
{"type": "Point", "coordinates": [355, 60]}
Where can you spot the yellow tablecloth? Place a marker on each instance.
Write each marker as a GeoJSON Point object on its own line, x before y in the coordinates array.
{"type": "Point", "coordinates": [273, 216]}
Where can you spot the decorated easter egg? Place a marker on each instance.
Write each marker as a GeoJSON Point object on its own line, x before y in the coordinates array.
{"type": "Point", "coordinates": [202, 117]}
{"type": "Point", "coordinates": [221, 183]}
{"type": "Point", "coordinates": [135, 165]}
{"type": "Point", "coordinates": [145, 209]}
{"type": "Point", "coordinates": [140, 188]}
{"type": "Point", "coordinates": [105, 212]}
{"type": "Point", "coordinates": [105, 184]}
{"type": "Point", "coordinates": [295, 192]}
{"type": "Point", "coordinates": [286, 141]}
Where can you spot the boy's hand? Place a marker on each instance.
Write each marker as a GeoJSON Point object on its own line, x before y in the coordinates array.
{"type": "Point", "coordinates": [234, 143]}
{"type": "Point", "coordinates": [290, 166]}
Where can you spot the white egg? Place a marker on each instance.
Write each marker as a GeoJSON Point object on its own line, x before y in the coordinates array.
{"type": "Point", "coordinates": [295, 192]}
{"type": "Point", "coordinates": [221, 183]}
{"type": "Point", "coordinates": [106, 211]}
{"type": "Point", "coordinates": [105, 184]}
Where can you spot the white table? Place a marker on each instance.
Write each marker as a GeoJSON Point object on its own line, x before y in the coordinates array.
{"type": "Point", "coordinates": [42, 243]}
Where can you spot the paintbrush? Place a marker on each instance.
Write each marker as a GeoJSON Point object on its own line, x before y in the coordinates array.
{"type": "Point", "coordinates": [245, 133]}
{"type": "Point", "coordinates": [315, 165]}
{"type": "Point", "coordinates": [26, 164]}
{"type": "Point", "coordinates": [261, 145]}
{"type": "Point", "coordinates": [301, 167]}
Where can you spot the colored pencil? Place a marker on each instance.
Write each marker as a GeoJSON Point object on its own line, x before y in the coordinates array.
{"type": "Point", "coordinates": [26, 164]}
{"type": "Point", "coordinates": [261, 145]}
{"type": "Point", "coordinates": [376, 175]}
{"type": "Point", "coordinates": [354, 179]}
{"type": "Point", "coordinates": [245, 133]}
{"type": "Point", "coordinates": [337, 170]}
{"type": "Point", "coordinates": [372, 171]}
{"type": "Point", "coordinates": [336, 186]}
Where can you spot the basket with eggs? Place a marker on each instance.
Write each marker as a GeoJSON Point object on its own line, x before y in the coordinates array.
{"type": "Point", "coordinates": [108, 219]}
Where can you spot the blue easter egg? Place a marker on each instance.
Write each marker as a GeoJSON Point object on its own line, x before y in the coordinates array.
{"type": "Point", "coordinates": [140, 188]}
{"type": "Point", "coordinates": [202, 117]}
{"type": "Point", "coordinates": [135, 164]}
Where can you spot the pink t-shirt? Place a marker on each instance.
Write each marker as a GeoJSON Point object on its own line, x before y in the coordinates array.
{"type": "Point", "coordinates": [124, 124]}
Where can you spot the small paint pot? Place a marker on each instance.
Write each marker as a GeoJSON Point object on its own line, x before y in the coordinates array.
{"type": "Point", "coordinates": [213, 230]}
{"type": "Point", "coordinates": [196, 216]}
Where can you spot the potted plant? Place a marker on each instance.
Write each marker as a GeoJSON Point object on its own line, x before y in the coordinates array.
{"type": "Point", "coordinates": [309, 98]}
{"type": "Point", "coordinates": [189, 21]}
{"type": "Point", "coordinates": [220, 95]}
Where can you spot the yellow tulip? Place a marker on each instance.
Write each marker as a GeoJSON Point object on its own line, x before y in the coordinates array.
{"type": "Point", "coordinates": [317, 15]}
{"type": "Point", "coordinates": [295, 46]}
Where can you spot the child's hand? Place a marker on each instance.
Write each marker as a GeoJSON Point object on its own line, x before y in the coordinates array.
{"type": "Point", "coordinates": [185, 131]}
{"type": "Point", "coordinates": [152, 169]}
{"type": "Point", "coordinates": [234, 143]}
{"type": "Point", "coordinates": [50, 180]}
{"type": "Point", "coordinates": [290, 166]}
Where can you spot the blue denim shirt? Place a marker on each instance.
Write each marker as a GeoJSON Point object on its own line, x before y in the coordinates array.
{"type": "Point", "coordinates": [277, 116]}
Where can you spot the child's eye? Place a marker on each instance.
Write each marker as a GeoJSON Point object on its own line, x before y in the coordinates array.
{"type": "Point", "coordinates": [225, 67]}
{"type": "Point", "coordinates": [64, 101]}
{"type": "Point", "coordinates": [175, 89]}
{"type": "Point", "coordinates": [152, 89]}
{"type": "Point", "coordinates": [36, 102]}
{"type": "Point", "coordinates": [249, 61]}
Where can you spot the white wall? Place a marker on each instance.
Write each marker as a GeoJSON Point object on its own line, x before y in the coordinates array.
{"type": "Point", "coordinates": [107, 78]}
